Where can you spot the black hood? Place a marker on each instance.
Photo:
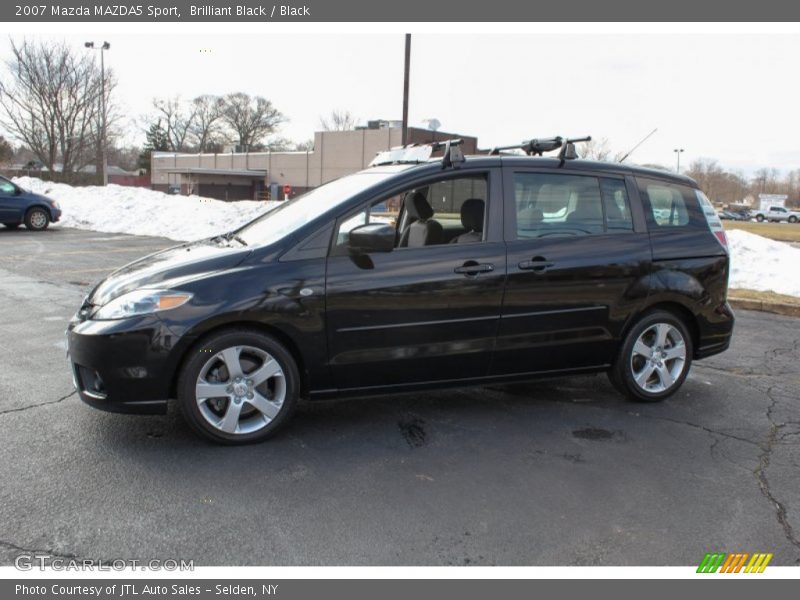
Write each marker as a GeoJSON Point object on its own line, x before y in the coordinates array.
{"type": "Point", "coordinates": [170, 267]}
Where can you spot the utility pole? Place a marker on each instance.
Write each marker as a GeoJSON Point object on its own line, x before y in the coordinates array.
{"type": "Point", "coordinates": [405, 89]}
{"type": "Point", "coordinates": [677, 152]}
{"type": "Point", "coordinates": [103, 125]}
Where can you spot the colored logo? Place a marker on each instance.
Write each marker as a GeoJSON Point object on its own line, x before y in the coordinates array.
{"type": "Point", "coordinates": [736, 562]}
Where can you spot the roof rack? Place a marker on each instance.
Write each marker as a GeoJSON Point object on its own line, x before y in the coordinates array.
{"type": "Point", "coordinates": [420, 153]}
{"type": "Point", "coordinates": [538, 146]}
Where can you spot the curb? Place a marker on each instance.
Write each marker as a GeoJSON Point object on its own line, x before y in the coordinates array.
{"type": "Point", "coordinates": [778, 308]}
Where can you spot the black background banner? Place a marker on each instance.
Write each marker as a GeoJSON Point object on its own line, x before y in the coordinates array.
{"type": "Point", "coordinates": [402, 11]}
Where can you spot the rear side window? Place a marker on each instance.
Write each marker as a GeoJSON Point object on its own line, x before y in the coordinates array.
{"type": "Point", "coordinates": [667, 204]}
{"type": "Point", "coordinates": [549, 204]}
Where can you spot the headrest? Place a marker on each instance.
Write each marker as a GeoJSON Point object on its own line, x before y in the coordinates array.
{"type": "Point", "coordinates": [417, 207]}
{"type": "Point", "coordinates": [472, 214]}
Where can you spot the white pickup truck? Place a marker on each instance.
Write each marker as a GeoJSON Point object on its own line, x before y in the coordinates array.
{"type": "Point", "coordinates": [777, 213]}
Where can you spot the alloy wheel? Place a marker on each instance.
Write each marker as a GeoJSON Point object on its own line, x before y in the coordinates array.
{"type": "Point", "coordinates": [38, 219]}
{"type": "Point", "coordinates": [240, 389]}
{"type": "Point", "coordinates": [658, 358]}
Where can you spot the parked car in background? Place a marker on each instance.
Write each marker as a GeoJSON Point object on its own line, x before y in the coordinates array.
{"type": "Point", "coordinates": [19, 206]}
{"type": "Point", "coordinates": [776, 214]}
{"type": "Point", "coordinates": [730, 215]}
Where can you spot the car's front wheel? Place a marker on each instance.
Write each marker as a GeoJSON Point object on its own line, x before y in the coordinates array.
{"type": "Point", "coordinates": [760, 218]}
{"type": "Point", "coordinates": [654, 359]}
{"type": "Point", "coordinates": [792, 219]}
{"type": "Point", "coordinates": [37, 219]}
{"type": "Point", "coordinates": [238, 387]}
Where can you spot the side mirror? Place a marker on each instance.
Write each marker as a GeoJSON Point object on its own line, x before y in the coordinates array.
{"type": "Point", "coordinates": [372, 237]}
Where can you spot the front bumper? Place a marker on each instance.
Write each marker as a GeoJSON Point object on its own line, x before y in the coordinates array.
{"type": "Point", "coordinates": [124, 366]}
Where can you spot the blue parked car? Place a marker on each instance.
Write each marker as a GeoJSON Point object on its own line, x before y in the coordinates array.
{"type": "Point", "coordinates": [18, 206]}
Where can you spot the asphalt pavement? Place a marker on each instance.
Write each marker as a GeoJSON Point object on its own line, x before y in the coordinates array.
{"type": "Point", "coordinates": [556, 472]}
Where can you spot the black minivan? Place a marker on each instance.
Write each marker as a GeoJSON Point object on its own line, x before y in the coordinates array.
{"type": "Point", "coordinates": [415, 273]}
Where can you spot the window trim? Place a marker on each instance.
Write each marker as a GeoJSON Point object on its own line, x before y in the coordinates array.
{"type": "Point", "coordinates": [493, 216]}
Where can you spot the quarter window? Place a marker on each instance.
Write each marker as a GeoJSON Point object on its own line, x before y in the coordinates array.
{"type": "Point", "coordinates": [667, 205]}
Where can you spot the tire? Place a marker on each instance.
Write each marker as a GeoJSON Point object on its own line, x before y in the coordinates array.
{"type": "Point", "coordinates": [792, 219]}
{"type": "Point", "coordinates": [760, 218]}
{"type": "Point", "coordinates": [37, 219]}
{"type": "Point", "coordinates": [245, 411]}
{"type": "Point", "coordinates": [657, 368]}
{"type": "Point", "coordinates": [11, 225]}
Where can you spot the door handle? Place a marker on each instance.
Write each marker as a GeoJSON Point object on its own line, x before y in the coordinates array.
{"type": "Point", "coordinates": [472, 268]}
{"type": "Point", "coordinates": [537, 264]}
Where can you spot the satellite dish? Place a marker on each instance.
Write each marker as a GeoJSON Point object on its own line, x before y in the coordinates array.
{"type": "Point", "coordinates": [433, 124]}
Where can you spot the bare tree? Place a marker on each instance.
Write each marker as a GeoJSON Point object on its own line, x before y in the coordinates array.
{"type": "Point", "coordinates": [207, 127]}
{"type": "Point", "coordinates": [719, 184]}
{"type": "Point", "coordinates": [51, 103]}
{"type": "Point", "coordinates": [338, 120]}
{"type": "Point", "coordinates": [251, 119]}
{"type": "Point", "coordinates": [6, 151]}
{"type": "Point", "coordinates": [178, 119]}
{"type": "Point", "coordinates": [598, 149]}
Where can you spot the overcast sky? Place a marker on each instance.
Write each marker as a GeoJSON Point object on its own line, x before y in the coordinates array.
{"type": "Point", "coordinates": [731, 97]}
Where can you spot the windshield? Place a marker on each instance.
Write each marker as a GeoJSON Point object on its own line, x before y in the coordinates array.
{"type": "Point", "coordinates": [297, 212]}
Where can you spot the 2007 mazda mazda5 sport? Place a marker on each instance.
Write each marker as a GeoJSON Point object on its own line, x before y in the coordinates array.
{"type": "Point", "coordinates": [412, 275]}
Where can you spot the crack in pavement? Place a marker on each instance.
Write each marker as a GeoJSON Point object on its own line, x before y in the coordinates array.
{"type": "Point", "coordinates": [760, 473]}
{"type": "Point", "coordinates": [30, 406]}
{"type": "Point", "coordinates": [700, 427]}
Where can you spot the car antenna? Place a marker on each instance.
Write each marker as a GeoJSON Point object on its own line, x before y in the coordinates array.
{"type": "Point", "coordinates": [642, 141]}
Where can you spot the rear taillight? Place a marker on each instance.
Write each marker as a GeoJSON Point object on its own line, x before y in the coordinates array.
{"type": "Point", "coordinates": [714, 223]}
{"type": "Point", "coordinates": [723, 239]}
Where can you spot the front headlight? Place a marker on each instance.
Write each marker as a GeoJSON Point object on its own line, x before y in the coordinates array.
{"type": "Point", "coordinates": [55, 205]}
{"type": "Point", "coordinates": [141, 302]}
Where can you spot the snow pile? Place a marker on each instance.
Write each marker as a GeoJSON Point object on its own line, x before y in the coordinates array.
{"type": "Point", "coordinates": [141, 211]}
{"type": "Point", "coordinates": [758, 263]}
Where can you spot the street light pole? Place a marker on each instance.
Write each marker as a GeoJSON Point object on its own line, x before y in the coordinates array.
{"type": "Point", "coordinates": [677, 152]}
{"type": "Point", "coordinates": [405, 89]}
{"type": "Point", "coordinates": [103, 116]}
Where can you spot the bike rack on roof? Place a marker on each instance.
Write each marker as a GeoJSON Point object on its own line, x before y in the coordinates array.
{"type": "Point", "coordinates": [538, 146]}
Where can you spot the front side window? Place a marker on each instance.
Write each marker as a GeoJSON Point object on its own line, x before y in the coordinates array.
{"type": "Point", "coordinates": [550, 205]}
{"type": "Point", "coordinates": [445, 211]}
{"type": "Point", "coordinates": [298, 211]}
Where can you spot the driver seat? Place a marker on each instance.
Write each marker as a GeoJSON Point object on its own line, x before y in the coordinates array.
{"type": "Point", "coordinates": [423, 231]}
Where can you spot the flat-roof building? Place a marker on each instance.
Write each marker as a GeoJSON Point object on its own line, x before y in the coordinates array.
{"type": "Point", "coordinates": [261, 175]}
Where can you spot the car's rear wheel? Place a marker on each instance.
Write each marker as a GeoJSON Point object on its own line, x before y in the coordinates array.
{"type": "Point", "coordinates": [238, 387]}
{"type": "Point", "coordinates": [37, 219]}
{"type": "Point", "coordinates": [654, 359]}
{"type": "Point", "coordinates": [760, 218]}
